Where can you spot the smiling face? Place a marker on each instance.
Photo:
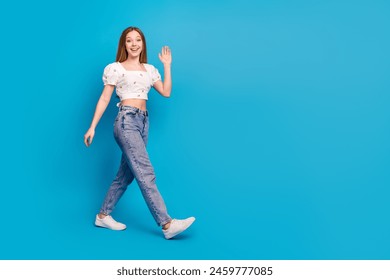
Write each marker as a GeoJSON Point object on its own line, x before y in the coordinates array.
{"type": "Point", "coordinates": [134, 44]}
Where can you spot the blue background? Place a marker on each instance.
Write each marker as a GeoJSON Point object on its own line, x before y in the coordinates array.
{"type": "Point", "coordinates": [276, 137]}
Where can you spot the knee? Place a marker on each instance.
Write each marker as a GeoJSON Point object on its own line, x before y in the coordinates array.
{"type": "Point", "coordinates": [123, 182]}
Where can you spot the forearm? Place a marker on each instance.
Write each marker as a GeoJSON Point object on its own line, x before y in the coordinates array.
{"type": "Point", "coordinates": [100, 108]}
{"type": "Point", "coordinates": [167, 85]}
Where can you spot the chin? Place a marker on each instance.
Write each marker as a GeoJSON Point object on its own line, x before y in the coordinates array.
{"type": "Point", "coordinates": [134, 54]}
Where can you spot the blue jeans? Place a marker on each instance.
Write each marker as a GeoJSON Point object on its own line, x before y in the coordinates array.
{"type": "Point", "coordinates": [131, 133]}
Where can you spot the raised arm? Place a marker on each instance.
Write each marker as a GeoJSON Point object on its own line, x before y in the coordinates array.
{"type": "Point", "coordinates": [164, 88]}
{"type": "Point", "coordinates": [101, 106]}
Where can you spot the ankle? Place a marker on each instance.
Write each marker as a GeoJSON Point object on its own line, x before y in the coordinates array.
{"type": "Point", "coordinates": [102, 216]}
{"type": "Point", "coordinates": [166, 226]}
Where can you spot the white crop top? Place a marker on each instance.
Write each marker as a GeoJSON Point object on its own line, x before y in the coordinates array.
{"type": "Point", "coordinates": [130, 84]}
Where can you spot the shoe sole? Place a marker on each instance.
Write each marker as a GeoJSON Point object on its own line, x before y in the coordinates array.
{"type": "Point", "coordinates": [180, 231]}
{"type": "Point", "coordinates": [102, 225]}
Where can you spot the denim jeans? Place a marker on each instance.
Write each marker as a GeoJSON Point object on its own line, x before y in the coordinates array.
{"type": "Point", "coordinates": [131, 133]}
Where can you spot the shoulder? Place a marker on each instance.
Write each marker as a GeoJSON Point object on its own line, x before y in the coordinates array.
{"type": "Point", "coordinates": [112, 66]}
{"type": "Point", "coordinates": [149, 67]}
{"type": "Point", "coordinates": [111, 74]}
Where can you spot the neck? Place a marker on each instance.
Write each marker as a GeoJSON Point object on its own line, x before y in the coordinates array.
{"type": "Point", "coordinates": [133, 60]}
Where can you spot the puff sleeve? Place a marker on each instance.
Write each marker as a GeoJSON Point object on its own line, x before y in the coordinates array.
{"type": "Point", "coordinates": [110, 75]}
{"type": "Point", "coordinates": [154, 74]}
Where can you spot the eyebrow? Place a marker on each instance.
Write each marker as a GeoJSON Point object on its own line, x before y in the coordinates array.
{"type": "Point", "coordinates": [138, 37]}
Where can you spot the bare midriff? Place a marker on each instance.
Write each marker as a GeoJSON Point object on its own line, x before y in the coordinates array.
{"type": "Point", "coordinates": [138, 103]}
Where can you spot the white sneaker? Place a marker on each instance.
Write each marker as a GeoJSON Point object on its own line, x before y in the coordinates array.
{"type": "Point", "coordinates": [177, 226]}
{"type": "Point", "coordinates": [109, 222]}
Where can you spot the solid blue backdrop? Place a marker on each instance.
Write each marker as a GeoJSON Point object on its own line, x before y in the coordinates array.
{"type": "Point", "coordinates": [276, 137]}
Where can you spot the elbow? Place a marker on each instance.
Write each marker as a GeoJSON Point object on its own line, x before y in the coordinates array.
{"type": "Point", "coordinates": [167, 94]}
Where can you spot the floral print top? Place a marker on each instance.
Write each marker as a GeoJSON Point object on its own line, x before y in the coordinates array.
{"type": "Point", "coordinates": [130, 84]}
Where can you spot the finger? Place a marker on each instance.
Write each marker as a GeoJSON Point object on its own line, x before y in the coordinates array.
{"type": "Point", "coordinates": [90, 140]}
{"type": "Point", "coordinates": [168, 52]}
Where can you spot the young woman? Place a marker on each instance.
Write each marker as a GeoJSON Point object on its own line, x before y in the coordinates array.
{"type": "Point", "coordinates": [133, 78]}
